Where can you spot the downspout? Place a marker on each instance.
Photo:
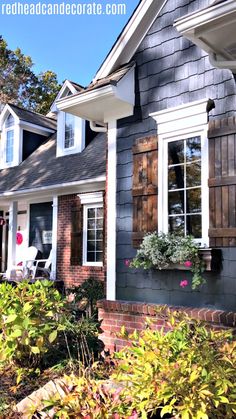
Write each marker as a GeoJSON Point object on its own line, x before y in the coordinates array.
{"type": "Point", "coordinates": [98, 128]}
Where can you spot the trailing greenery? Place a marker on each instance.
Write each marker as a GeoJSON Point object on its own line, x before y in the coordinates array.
{"type": "Point", "coordinates": [161, 250]}
{"type": "Point", "coordinates": [187, 373]}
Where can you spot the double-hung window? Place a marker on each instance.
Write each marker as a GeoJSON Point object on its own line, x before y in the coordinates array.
{"type": "Point", "coordinates": [9, 139]}
{"type": "Point", "coordinates": [93, 228]}
{"type": "Point", "coordinates": [183, 203]}
{"type": "Point", "coordinates": [184, 186]}
{"type": "Point", "coordinates": [69, 131]}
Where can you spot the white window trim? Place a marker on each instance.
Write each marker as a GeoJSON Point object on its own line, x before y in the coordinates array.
{"type": "Point", "coordinates": [17, 143]}
{"type": "Point", "coordinates": [85, 233]}
{"type": "Point", "coordinates": [182, 122]}
{"type": "Point", "coordinates": [79, 136]}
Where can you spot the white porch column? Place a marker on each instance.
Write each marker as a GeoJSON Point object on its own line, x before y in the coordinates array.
{"type": "Point", "coordinates": [11, 259]}
{"type": "Point", "coordinates": [54, 237]}
{"type": "Point", "coordinates": [111, 211]}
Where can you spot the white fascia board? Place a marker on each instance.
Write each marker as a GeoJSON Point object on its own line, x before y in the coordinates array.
{"type": "Point", "coordinates": [104, 103]}
{"type": "Point", "coordinates": [131, 37]}
{"type": "Point", "coordinates": [191, 22]}
{"type": "Point", "coordinates": [61, 189]}
{"type": "Point", "coordinates": [212, 29]}
{"type": "Point", "coordinates": [6, 110]}
{"type": "Point", "coordinates": [91, 198]}
{"type": "Point", "coordinates": [38, 129]}
{"type": "Point", "coordinates": [66, 85]}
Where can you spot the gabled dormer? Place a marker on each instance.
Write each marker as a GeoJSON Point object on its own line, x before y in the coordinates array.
{"type": "Point", "coordinates": [22, 132]}
{"type": "Point", "coordinates": [70, 128]}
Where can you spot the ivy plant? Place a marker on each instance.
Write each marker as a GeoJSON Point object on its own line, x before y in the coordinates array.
{"type": "Point", "coordinates": [159, 251]}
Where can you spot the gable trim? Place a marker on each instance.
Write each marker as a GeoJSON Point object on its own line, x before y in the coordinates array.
{"type": "Point", "coordinates": [131, 36]}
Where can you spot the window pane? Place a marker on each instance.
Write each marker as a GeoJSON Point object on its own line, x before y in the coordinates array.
{"type": "Point", "coordinates": [69, 130]}
{"type": "Point", "coordinates": [91, 257]}
{"type": "Point", "coordinates": [9, 146]}
{"type": "Point", "coordinates": [194, 225]}
{"type": "Point", "coordinates": [91, 234]}
{"type": "Point", "coordinates": [91, 246]}
{"type": "Point", "coordinates": [193, 148]}
{"type": "Point", "coordinates": [91, 224]}
{"type": "Point", "coordinates": [100, 212]}
{"type": "Point", "coordinates": [176, 152]}
{"type": "Point", "coordinates": [91, 213]}
{"type": "Point", "coordinates": [99, 245]}
{"type": "Point", "coordinates": [176, 225]}
{"type": "Point", "coordinates": [176, 177]}
{"type": "Point", "coordinates": [99, 234]}
{"type": "Point", "coordinates": [176, 202]}
{"type": "Point", "coordinates": [193, 200]}
{"type": "Point", "coordinates": [193, 174]}
{"type": "Point", "coordinates": [100, 223]}
{"type": "Point", "coordinates": [99, 257]}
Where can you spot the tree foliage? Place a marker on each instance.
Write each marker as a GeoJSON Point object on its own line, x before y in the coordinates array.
{"type": "Point", "coordinates": [20, 85]}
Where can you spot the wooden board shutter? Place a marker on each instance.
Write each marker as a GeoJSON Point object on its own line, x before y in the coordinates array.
{"type": "Point", "coordinates": [76, 235]}
{"type": "Point", "coordinates": [222, 182]}
{"type": "Point", "coordinates": [144, 191]}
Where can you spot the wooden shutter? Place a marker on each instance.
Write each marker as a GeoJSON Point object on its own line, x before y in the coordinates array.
{"type": "Point", "coordinates": [76, 235]}
{"type": "Point", "coordinates": [144, 188]}
{"type": "Point", "coordinates": [222, 182]}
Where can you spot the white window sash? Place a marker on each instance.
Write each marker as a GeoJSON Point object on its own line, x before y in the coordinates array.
{"type": "Point", "coordinates": [86, 207]}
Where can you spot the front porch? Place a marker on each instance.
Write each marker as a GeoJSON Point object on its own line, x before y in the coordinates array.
{"type": "Point", "coordinates": [24, 223]}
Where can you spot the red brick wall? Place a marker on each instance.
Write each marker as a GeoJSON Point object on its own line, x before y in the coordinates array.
{"type": "Point", "coordinates": [133, 315]}
{"type": "Point", "coordinates": [71, 275]}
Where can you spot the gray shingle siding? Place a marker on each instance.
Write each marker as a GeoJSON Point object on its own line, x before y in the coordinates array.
{"type": "Point", "coordinates": [170, 71]}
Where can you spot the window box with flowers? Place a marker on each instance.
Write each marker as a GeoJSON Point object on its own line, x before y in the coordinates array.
{"type": "Point", "coordinates": [170, 251]}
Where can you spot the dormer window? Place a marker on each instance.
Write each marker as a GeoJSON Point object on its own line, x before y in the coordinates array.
{"type": "Point", "coordinates": [69, 131]}
{"type": "Point", "coordinates": [70, 134]}
{"type": "Point", "coordinates": [9, 145]}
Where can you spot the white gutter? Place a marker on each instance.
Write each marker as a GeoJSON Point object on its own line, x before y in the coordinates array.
{"type": "Point", "coordinates": [78, 99]}
{"type": "Point", "coordinates": [98, 128]}
{"type": "Point", "coordinates": [222, 63]}
{"type": "Point", "coordinates": [53, 187]}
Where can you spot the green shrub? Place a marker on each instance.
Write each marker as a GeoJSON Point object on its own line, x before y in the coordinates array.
{"type": "Point", "coordinates": [29, 315]}
{"type": "Point", "coordinates": [86, 295]}
{"type": "Point", "coordinates": [188, 373]}
{"type": "Point", "coordinates": [38, 328]}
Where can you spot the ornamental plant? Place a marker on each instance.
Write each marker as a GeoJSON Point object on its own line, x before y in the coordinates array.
{"type": "Point", "coordinates": [159, 251]}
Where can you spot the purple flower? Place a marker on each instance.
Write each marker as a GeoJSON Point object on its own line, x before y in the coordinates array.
{"type": "Point", "coordinates": [127, 262]}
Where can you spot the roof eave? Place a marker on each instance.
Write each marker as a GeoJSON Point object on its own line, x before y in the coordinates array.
{"type": "Point", "coordinates": [104, 103]}
{"type": "Point", "coordinates": [213, 30]}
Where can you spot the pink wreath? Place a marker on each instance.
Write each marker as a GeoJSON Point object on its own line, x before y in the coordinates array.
{"type": "Point", "coordinates": [19, 238]}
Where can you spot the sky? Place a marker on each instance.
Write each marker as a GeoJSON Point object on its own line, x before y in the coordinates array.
{"type": "Point", "coordinates": [73, 47]}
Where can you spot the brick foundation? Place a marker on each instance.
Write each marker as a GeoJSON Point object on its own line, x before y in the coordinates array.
{"type": "Point", "coordinates": [132, 315]}
{"type": "Point", "coordinates": [71, 275]}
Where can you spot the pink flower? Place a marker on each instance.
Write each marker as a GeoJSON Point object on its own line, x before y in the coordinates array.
{"type": "Point", "coordinates": [183, 283]}
{"type": "Point", "coordinates": [127, 262]}
{"type": "Point", "coordinates": [188, 263]}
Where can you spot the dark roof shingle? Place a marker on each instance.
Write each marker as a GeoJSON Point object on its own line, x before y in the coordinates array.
{"type": "Point", "coordinates": [34, 118]}
{"type": "Point", "coordinates": [43, 169]}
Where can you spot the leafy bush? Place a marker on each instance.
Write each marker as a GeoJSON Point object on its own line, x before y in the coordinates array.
{"type": "Point", "coordinates": [29, 321]}
{"type": "Point", "coordinates": [161, 250]}
{"type": "Point", "coordinates": [188, 373]}
{"type": "Point", "coordinates": [38, 328]}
